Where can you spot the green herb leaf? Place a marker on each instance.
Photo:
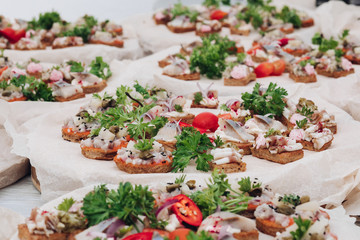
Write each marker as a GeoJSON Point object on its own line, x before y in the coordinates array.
{"type": "Point", "coordinates": [305, 111]}
{"type": "Point", "coordinates": [303, 227]}
{"type": "Point", "coordinates": [180, 179]}
{"type": "Point", "coordinates": [247, 186]}
{"type": "Point", "coordinates": [224, 107]}
{"type": "Point", "coordinates": [79, 31]}
{"type": "Point", "coordinates": [75, 66]}
{"type": "Point", "coordinates": [192, 145]}
{"type": "Point", "coordinates": [100, 68]}
{"type": "Point", "coordinates": [66, 204]}
{"type": "Point", "coordinates": [198, 97]}
{"type": "Point", "coordinates": [292, 199]}
{"type": "Point", "coordinates": [269, 102]}
{"type": "Point", "coordinates": [45, 21]}
{"type": "Point", "coordinates": [203, 235]}
{"type": "Point", "coordinates": [144, 144]}
{"type": "Point", "coordinates": [302, 123]}
{"type": "Point", "coordinates": [178, 108]}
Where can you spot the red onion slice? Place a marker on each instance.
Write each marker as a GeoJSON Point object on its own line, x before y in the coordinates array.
{"type": "Point", "coordinates": [114, 227]}
{"type": "Point", "coordinates": [165, 206]}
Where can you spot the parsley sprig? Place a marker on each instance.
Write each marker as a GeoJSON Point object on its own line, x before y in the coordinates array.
{"type": "Point", "coordinates": [128, 202]}
{"type": "Point", "coordinates": [292, 199]}
{"type": "Point", "coordinates": [192, 145]}
{"type": "Point", "coordinates": [66, 204]}
{"type": "Point", "coordinates": [246, 185]}
{"type": "Point", "coordinates": [303, 226]}
{"type": "Point", "coordinates": [209, 58]}
{"type": "Point", "coordinates": [269, 102]}
{"type": "Point", "coordinates": [100, 68]}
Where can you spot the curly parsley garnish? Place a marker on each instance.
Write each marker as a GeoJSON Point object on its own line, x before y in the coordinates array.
{"type": "Point", "coordinates": [100, 68]}
{"type": "Point", "coordinates": [66, 204]}
{"type": "Point", "coordinates": [305, 111]}
{"type": "Point", "coordinates": [269, 102]}
{"type": "Point", "coordinates": [198, 97]}
{"type": "Point", "coordinates": [209, 58]}
{"type": "Point", "coordinates": [75, 66]}
{"type": "Point", "coordinates": [302, 123]}
{"type": "Point", "coordinates": [178, 108]}
{"type": "Point", "coordinates": [192, 145]}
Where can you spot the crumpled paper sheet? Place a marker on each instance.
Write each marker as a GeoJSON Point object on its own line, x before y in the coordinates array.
{"type": "Point", "coordinates": [337, 16]}
{"type": "Point", "coordinates": [87, 53]}
{"type": "Point", "coordinates": [8, 223]}
{"type": "Point", "coordinates": [342, 225]}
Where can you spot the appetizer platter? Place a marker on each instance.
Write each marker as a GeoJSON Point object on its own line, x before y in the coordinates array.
{"type": "Point", "coordinates": [35, 81]}
{"type": "Point", "coordinates": [241, 125]}
{"type": "Point", "coordinates": [48, 38]}
{"type": "Point", "coordinates": [77, 170]}
{"type": "Point", "coordinates": [184, 209]}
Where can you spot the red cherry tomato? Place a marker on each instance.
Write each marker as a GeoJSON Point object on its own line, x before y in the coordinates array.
{"type": "Point", "coordinates": [12, 35]}
{"type": "Point", "coordinates": [279, 67]}
{"type": "Point", "coordinates": [206, 120]}
{"type": "Point", "coordinates": [160, 232]}
{"type": "Point", "coordinates": [264, 69]}
{"type": "Point", "coordinates": [218, 15]}
{"type": "Point", "coordinates": [140, 236]}
{"type": "Point", "coordinates": [187, 211]}
{"type": "Point", "coordinates": [181, 233]}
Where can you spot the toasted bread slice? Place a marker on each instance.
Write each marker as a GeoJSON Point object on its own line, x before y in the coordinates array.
{"type": "Point", "coordinates": [181, 29]}
{"type": "Point", "coordinates": [304, 79]}
{"type": "Point", "coordinates": [283, 158]}
{"type": "Point", "coordinates": [258, 59]}
{"type": "Point", "coordinates": [251, 235]}
{"type": "Point", "coordinates": [115, 43]}
{"type": "Point", "coordinates": [287, 30]}
{"type": "Point", "coordinates": [335, 74]}
{"type": "Point", "coordinates": [229, 167]}
{"type": "Point", "coordinates": [353, 59]}
{"type": "Point", "coordinates": [37, 75]}
{"type": "Point", "coordinates": [163, 20]}
{"type": "Point", "coordinates": [246, 147]}
{"type": "Point", "coordinates": [193, 105]}
{"type": "Point", "coordinates": [307, 22]}
{"type": "Point", "coordinates": [24, 234]}
{"type": "Point", "coordinates": [310, 146]}
{"type": "Point", "coordinates": [73, 136]}
{"type": "Point", "coordinates": [186, 119]}
{"type": "Point", "coordinates": [98, 153]}
{"type": "Point", "coordinates": [234, 30]}
{"type": "Point", "coordinates": [73, 97]}
{"type": "Point", "coordinates": [269, 227]}
{"type": "Point", "coordinates": [202, 34]}
{"type": "Point", "coordinates": [163, 167]}
{"type": "Point", "coordinates": [296, 52]}
{"type": "Point", "coordinates": [97, 87]}
{"type": "Point", "coordinates": [186, 77]}
{"type": "Point", "coordinates": [240, 82]}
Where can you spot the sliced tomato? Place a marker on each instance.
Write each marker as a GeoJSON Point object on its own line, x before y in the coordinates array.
{"type": "Point", "coordinates": [180, 234]}
{"type": "Point", "coordinates": [140, 236]}
{"type": "Point", "coordinates": [291, 222]}
{"type": "Point", "coordinates": [3, 69]}
{"type": "Point", "coordinates": [264, 69]}
{"type": "Point", "coordinates": [206, 120]}
{"type": "Point", "coordinates": [279, 67]}
{"type": "Point", "coordinates": [218, 15]}
{"type": "Point", "coordinates": [187, 211]}
{"type": "Point", "coordinates": [12, 35]}
{"type": "Point", "coordinates": [160, 232]}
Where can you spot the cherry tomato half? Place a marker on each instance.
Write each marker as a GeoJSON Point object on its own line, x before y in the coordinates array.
{"type": "Point", "coordinates": [206, 120]}
{"type": "Point", "coordinates": [140, 236]}
{"type": "Point", "coordinates": [279, 67]}
{"type": "Point", "coordinates": [264, 69]}
{"type": "Point", "coordinates": [217, 15]}
{"type": "Point", "coordinates": [181, 233]}
{"type": "Point", "coordinates": [187, 211]}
